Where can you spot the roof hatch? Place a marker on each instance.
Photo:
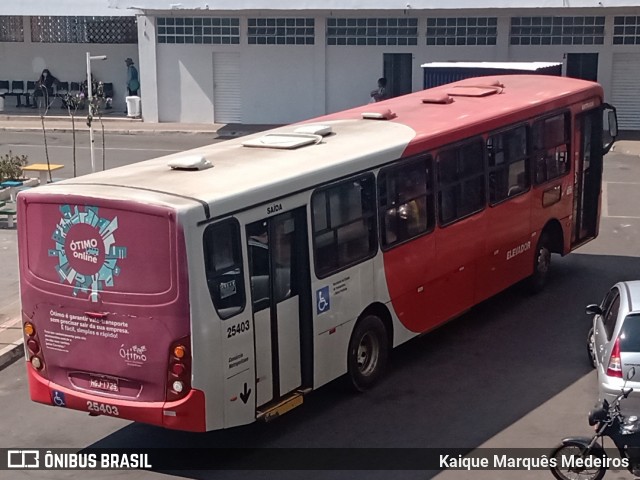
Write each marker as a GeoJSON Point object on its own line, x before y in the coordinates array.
{"type": "Point", "coordinates": [314, 129]}
{"type": "Point", "coordinates": [476, 90]}
{"type": "Point", "coordinates": [438, 98]}
{"type": "Point", "coordinates": [286, 141]}
{"type": "Point", "coordinates": [382, 114]}
{"type": "Point", "coordinates": [190, 162]}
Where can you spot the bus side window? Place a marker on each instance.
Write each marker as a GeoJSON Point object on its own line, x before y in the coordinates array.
{"type": "Point", "coordinates": [223, 267]}
{"type": "Point", "coordinates": [461, 178]}
{"type": "Point", "coordinates": [508, 164]}
{"type": "Point", "coordinates": [344, 224]}
{"type": "Point", "coordinates": [259, 269]}
{"type": "Point", "coordinates": [406, 201]}
{"type": "Point", "coordinates": [551, 147]}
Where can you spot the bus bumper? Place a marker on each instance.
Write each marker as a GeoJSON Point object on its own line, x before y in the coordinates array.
{"type": "Point", "coordinates": [186, 414]}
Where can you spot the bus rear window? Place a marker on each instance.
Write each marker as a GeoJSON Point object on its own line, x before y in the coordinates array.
{"type": "Point", "coordinates": [98, 250]}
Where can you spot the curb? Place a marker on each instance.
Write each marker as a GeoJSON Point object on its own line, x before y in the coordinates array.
{"type": "Point", "coordinates": [11, 353]}
{"type": "Point", "coordinates": [110, 131]}
{"type": "Point", "coordinates": [625, 151]}
{"type": "Point", "coordinates": [212, 133]}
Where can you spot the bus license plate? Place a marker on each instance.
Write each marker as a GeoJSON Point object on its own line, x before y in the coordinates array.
{"type": "Point", "coordinates": [105, 384]}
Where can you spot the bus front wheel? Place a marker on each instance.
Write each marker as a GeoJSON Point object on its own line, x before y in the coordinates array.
{"type": "Point", "coordinates": [368, 353]}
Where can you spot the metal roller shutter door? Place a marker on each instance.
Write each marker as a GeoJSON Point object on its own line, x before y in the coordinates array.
{"type": "Point", "coordinates": [227, 100]}
{"type": "Point", "coordinates": [625, 92]}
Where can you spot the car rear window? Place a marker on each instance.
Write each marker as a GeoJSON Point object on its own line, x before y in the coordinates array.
{"type": "Point", "coordinates": [630, 334]}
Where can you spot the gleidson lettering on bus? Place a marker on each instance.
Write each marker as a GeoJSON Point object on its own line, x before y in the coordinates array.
{"type": "Point", "coordinates": [518, 250]}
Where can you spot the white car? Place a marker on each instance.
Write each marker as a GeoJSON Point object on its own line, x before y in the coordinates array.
{"type": "Point", "coordinates": [613, 343]}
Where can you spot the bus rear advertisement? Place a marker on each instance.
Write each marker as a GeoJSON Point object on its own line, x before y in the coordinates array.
{"type": "Point", "coordinates": [216, 287]}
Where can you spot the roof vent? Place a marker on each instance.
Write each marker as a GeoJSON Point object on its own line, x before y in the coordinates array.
{"type": "Point", "coordinates": [442, 99]}
{"type": "Point", "coordinates": [190, 162]}
{"type": "Point", "coordinates": [385, 114]}
{"type": "Point", "coordinates": [475, 90]}
{"type": "Point", "coordinates": [286, 141]}
{"type": "Point", "coordinates": [322, 130]}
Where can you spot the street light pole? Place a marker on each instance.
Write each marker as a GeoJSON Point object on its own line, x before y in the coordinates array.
{"type": "Point", "coordinates": [90, 98]}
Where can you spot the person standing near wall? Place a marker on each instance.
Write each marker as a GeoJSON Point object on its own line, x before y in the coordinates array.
{"type": "Point", "coordinates": [133, 82]}
{"type": "Point", "coordinates": [380, 93]}
{"type": "Point", "coordinates": [44, 89]}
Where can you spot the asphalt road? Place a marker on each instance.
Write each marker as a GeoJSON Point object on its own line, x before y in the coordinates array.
{"type": "Point", "coordinates": [513, 372]}
{"type": "Point", "coordinates": [119, 149]}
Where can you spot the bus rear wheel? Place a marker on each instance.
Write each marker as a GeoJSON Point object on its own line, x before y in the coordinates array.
{"type": "Point", "coordinates": [368, 353]}
{"type": "Point", "coordinates": [541, 264]}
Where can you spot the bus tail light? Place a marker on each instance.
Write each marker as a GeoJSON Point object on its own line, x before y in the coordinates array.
{"type": "Point", "coordinates": [29, 329]}
{"type": "Point", "coordinates": [614, 369]}
{"type": "Point", "coordinates": [36, 362]}
{"type": "Point", "coordinates": [33, 346]}
{"type": "Point", "coordinates": [179, 369]}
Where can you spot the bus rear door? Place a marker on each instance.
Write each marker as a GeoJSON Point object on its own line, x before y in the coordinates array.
{"type": "Point", "coordinates": [280, 288]}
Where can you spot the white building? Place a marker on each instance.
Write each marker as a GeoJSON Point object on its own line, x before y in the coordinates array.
{"type": "Point", "coordinates": [272, 62]}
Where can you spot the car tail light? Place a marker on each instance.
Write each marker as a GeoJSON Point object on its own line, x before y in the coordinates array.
{"type": "Point", "coordinates": [179, 369]}
{"type": "Point", "coordinates": [614, 369]}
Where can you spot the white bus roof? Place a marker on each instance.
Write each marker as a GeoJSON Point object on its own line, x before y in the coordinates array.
{"type": "Point", "coordinates": [243, 176]}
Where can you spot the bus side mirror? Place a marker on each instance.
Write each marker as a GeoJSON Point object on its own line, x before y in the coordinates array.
{"type": "Point", "coordinates": [613, 123]}
{"type": "Point", "coordinates": [593, 310]}
{"type": "Point", "coordinates": [610, 127]}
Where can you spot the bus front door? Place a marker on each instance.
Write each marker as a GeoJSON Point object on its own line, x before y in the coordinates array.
{"type": "Point", "coordinates": [588, 178]}
{"type": "Point", "coordinates": [280, 288]}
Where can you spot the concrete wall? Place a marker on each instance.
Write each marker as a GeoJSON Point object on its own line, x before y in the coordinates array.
{"type": "Point", "coordinates": [338, 5]}
{"type": "Point", "coordinates": [279, 84]}
{"type": "Point", "coordinates": [282, 84]}
{"type": "Point", "coordinates": [185, 84]}
{"type": "Point", "coordinates": [66, 61]}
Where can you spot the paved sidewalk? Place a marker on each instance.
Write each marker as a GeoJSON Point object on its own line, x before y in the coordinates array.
{"type": "Point", "coordinates": [121, 125]}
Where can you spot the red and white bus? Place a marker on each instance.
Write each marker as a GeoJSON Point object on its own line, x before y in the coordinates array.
{"type": "Point", "coordinates": [211, 288]}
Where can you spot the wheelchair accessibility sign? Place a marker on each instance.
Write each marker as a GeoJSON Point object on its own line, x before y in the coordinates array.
{"type": "Point", "coordinates": [323, 302]}
{"type": "Point", "coordinates": [58, 399]}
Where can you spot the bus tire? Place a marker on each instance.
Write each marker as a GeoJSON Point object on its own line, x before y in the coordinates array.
{"type": "Point", "coordinates": [541, 264]}
{"type": "Point", "coordinates": [591, 348]}
{"type": "Point", "coordinates": [368, 353]}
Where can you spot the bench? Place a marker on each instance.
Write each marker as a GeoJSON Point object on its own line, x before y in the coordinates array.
{"type": "Point", "coordinates": [17, 90]}
{"type": "Point", "coordinates": [9, 210]}
{"type": "Point", "coordinates": [13, 186]}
